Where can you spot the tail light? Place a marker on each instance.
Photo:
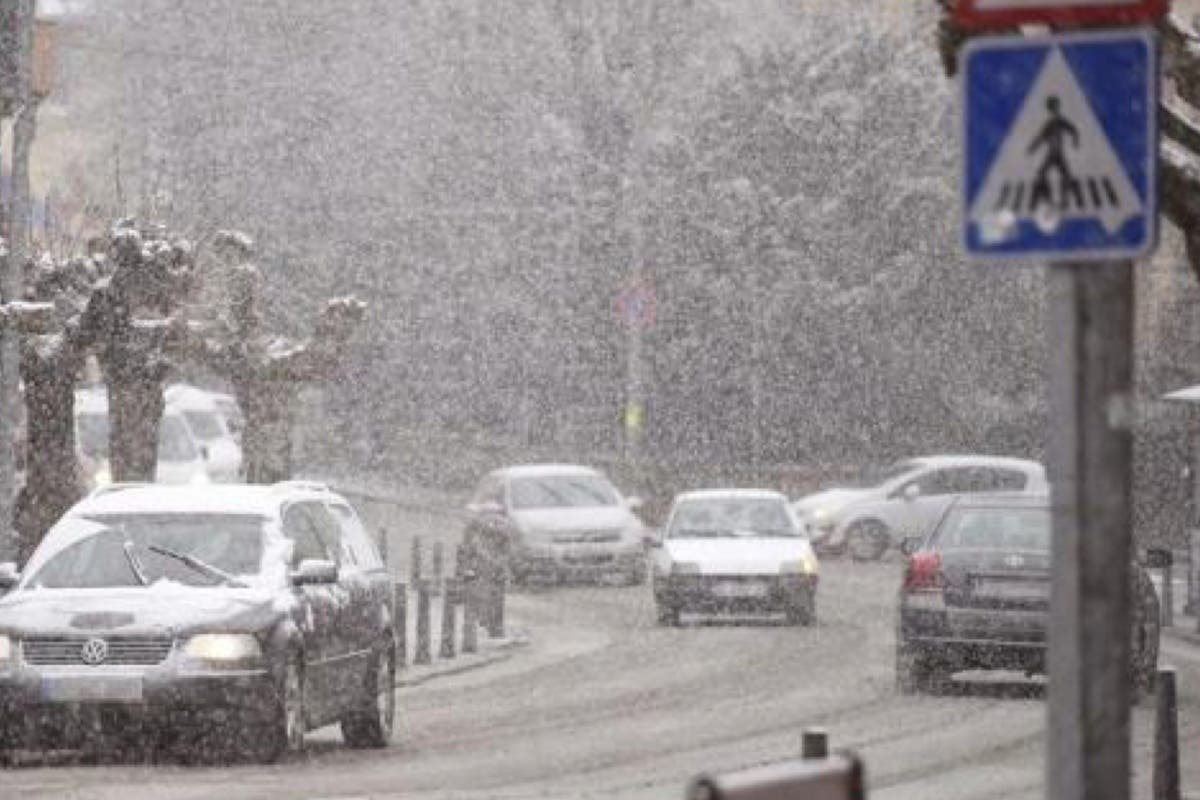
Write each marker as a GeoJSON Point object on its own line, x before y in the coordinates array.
{"type": "Point", "coordinates": [924, 572]}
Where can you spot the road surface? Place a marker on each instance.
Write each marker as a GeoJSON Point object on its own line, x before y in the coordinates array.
{"type": "Point", "coordinates": [605, 704]}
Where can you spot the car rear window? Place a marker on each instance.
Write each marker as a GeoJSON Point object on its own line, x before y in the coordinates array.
{"type": "Point", "coordinates": [1026, 529]}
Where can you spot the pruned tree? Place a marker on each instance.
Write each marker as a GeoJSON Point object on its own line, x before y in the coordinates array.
{"type": "Point", "coordinates": [266, 369]}
{"type": "Point", "coordinates": [135, 320]}
{"type": "Point", "coordinates": [51, 358]}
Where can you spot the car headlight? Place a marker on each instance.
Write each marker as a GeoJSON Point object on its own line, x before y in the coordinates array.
{"type": "Point", "coordinates": [805, 565]}
{"type": "Point", "coordinates": [223, 647]}
{"type": "Point", "coordinates": [685, 568]}
{"type": "Point", "coordinates": [821, 517]}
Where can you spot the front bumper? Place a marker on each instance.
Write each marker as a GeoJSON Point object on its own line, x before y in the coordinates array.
{"type": "Point", "coordinates": [735, 593]}
{"type": "Point", "coordinates": [68, 700]}
{"type": "Point", "coordinates": [568, 561]}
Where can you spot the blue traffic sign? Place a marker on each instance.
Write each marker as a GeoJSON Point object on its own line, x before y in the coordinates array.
{"type": "Point", "coordinates": [1060, 146]}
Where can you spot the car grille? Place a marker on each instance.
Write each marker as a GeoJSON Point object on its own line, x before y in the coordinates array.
{"type": "Point", "coordinates": [580, 537]}
{"type": "Point", "coordinates": [122, 650]}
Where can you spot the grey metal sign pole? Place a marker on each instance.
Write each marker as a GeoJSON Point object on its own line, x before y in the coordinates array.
{"type": "Point", "coordinates": [1089, 456]}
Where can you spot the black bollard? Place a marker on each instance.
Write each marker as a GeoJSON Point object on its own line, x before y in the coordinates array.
{"type": "Point", "coordinates": [470, 636]}
{"type": "Point", "coordinates": [400, 621]}
{"type": "Point", "coordinates": [437, 569]}
{"type": "Point", "coordinates": [414, 567]}
{"type": "Point", "coordinates": [448, 619]}
{"type": "Point", "coordinates": [383, 546]}
{"type": "Point", "coordinates": [423, 654]}
{"type": "Point", "coordinates": [814, 743]}
{"type": "Point", "coordinates": [496, 606]}
{"type": "Point", "coordinates": [1166, 739]}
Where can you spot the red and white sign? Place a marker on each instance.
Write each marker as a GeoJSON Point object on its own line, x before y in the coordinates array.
{"type": "Point", "coordinates": [984, 14]}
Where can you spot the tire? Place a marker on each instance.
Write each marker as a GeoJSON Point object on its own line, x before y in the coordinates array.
{"type": "Point", "coordinates": [868, 540]}
{"type": "Point", "coordinates": [920, 672]}
{"type": "Point", "coordinates": [803, 611]}
{"type": "Point", "coordinates": [370, 724]}
{"type": "Point", "coordinates": [285, 726]}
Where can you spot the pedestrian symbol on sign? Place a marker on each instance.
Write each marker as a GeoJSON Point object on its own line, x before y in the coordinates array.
{"type": "Point", "coordinates": [1059, 155]}
{"type": "Point", "coordinates": [1051, 137]}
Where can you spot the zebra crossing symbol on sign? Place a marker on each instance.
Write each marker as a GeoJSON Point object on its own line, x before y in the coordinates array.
{"type": "Point", "coordinates": [1060, 146]}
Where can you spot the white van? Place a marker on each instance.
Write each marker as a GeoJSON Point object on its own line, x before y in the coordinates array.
{"type": "Point", "coordinates": [179, 456]}
{"type": "Point", "coordinates": [220, 448]}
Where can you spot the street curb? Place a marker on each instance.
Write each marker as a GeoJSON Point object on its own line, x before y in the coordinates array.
{"type": "Point", "coordinates": [501, 651]}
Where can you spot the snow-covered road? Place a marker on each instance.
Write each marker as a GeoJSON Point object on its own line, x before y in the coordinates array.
{"type": "Point", "coordinates": [606, 704]}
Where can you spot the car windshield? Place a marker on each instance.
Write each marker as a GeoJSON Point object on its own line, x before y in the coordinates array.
{"type": "Point", "coordinates": [1024, 529]}
{"type": "Point", "coordinates": [731, 517]}
{"type": "Point", "coordinates": [562, 491]}
{"type": "Point", "coordinates": [92, 430]}
{"type": "Point", "coordinates": [205, 425]}
{"type": "Point", "coordinates": [231, 543]}
{"type": "Point", "coordinates": [175, 440]}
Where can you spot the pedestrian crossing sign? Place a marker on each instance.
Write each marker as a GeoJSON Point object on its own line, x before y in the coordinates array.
{"type": "Point", "coordinates": [1060, 146]}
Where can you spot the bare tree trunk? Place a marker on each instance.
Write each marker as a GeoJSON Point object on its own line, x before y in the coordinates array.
{"type": "Point", "coordinates": [267, 437]}
{"type": "Point", "coordinates": [135, 409]}
{"type": "Point", "coordinates": [52, 483]}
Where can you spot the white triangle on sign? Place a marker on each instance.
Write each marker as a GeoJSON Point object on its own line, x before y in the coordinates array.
{"type": "Point", "coordinates": [1056, 164]}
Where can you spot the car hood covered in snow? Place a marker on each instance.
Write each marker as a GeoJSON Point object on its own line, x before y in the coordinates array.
{"type": "Point", "coordinates": [164, 608]}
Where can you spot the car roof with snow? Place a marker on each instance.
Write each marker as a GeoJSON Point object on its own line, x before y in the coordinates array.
{"type": "Point", "coordinates": [209, 499]}
{"type": "Point", "coordinates": [1024, 464]}
{"type": "Point", "coordinates": [545, 470]}
{"type": "Point", "coordinates": [731, 494]}
{"type": "Point", "coordinates": [190, 397]}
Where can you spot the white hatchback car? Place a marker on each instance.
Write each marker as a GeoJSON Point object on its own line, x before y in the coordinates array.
{"type": "Point", "coordinates": [207, 422]}
{"type": "Point", "coordinates": [735, 551]}
{"type": "Point", "coordinates": [906, 498]}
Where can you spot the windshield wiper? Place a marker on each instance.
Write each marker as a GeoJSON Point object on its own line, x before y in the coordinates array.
{"type": "Point", "coordinates": [134, 564]}
{"type": "Point", "coordinates": [196, 564]}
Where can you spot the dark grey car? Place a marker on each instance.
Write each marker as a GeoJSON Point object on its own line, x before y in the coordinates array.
{"type": "Point", "coordinates": [976, 595]}
{"type": "Point", "coordinates": [230, 619]}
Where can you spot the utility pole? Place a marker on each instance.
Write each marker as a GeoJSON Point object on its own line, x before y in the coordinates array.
{"type": "Point", "coordinates": [1090, 455]}
{"type": "Point", "coordinates": [18, 36]}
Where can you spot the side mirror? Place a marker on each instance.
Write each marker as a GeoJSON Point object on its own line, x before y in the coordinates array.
{"type": "Point", "coordinates": [315, 571]}
{"type": "Point", "coordinates": [10, 576]}
{"type": "Point", "coordinates": [910, 545]}
{"type": "Point", "coordinates": [911, 492]}
{"type": "Point", "coordinates": [634, 503]}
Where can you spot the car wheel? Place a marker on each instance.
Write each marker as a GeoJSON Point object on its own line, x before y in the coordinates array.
{"type": "Point", "coordinates": [668, 615]}
{"type": "Point", "coordinates": [285, 726]}
{"type": "Point", "coordinates": [803, 611]}
{"type": "Point", "coordinates": [920, 672]}
{"type": "Point", "coordinates": [371, 722]}
{"type": "Point", "coordinates": [868, 540]}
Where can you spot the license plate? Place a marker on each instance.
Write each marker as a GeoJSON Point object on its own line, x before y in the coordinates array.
{"type": "Point", "coordinates": [92, 688]}
{"type": "Point", "coordinates": [740, 589]}
{"type": "Point", "coordinates": [1013, 590]}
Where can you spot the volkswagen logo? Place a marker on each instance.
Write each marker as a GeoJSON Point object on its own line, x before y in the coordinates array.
{"type": "Point", "coordinates": [93, 652]}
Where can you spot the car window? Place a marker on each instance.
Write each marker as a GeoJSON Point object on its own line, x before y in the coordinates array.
{"type": "Point", "coordinates": [562, 491]}
{"type": "Point", "coordinates": [356, 542]}
{"type": "Point", "coordinates": [302, 529]}
{"type": "Point", "coordinates": [175, 440]}
{"type": "Point", "coordinates": [206, 425]}
{"type": "Point", "coordinates": [723, 517]}
{"type": "Point", "coordinates": [1023, 529]}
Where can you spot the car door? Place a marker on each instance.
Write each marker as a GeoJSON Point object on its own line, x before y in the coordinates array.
{"type": "Point", "coordinates": [319, 612]}
{"type": "Point", "coordinates": [367, 614]}
{"type": "Point", "coordinates": [913, 515]}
